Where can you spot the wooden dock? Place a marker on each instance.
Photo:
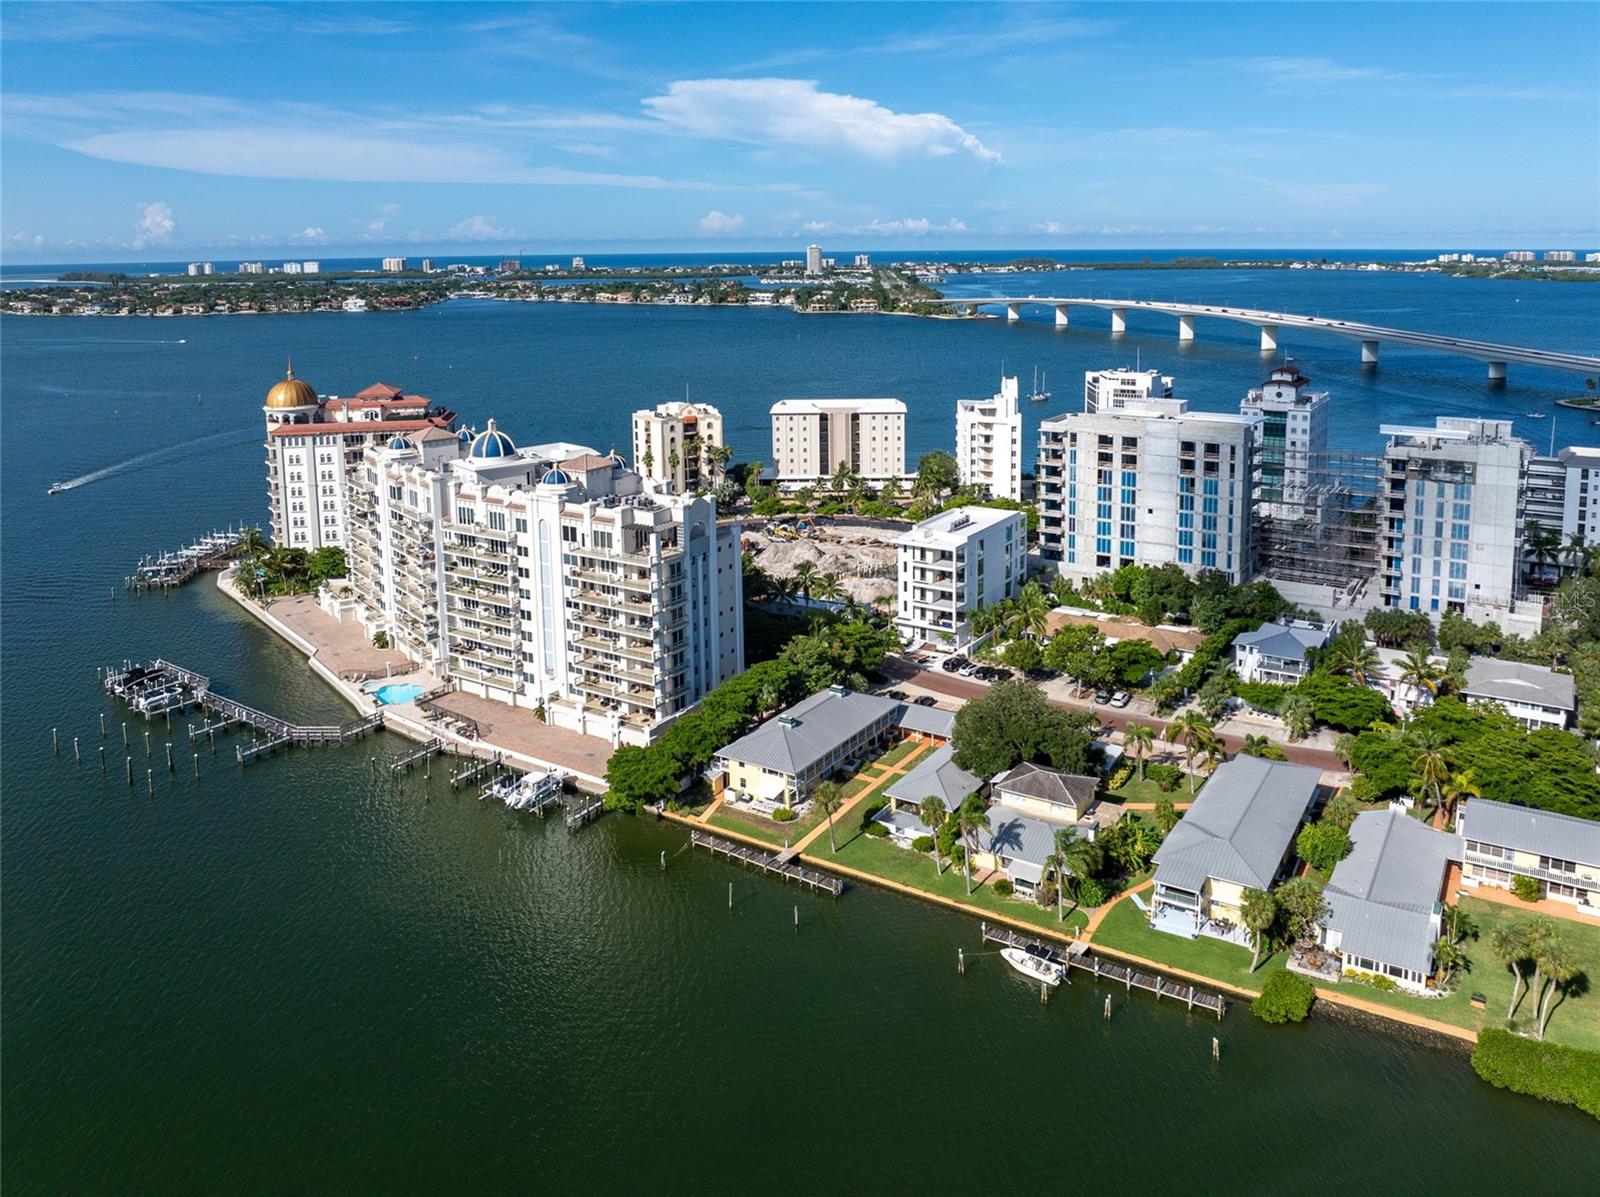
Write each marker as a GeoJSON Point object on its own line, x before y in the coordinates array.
{"type": "Point", "coordinates": [1070, 956]}
{"type": "Point", "coordinates": [767, 862]}
{"type": "Point", "coordinates": [164, 570]}
{"type": "Point", "coordinates": [587, 812]}
{"type": "Point", "coordinates": [418, 754]}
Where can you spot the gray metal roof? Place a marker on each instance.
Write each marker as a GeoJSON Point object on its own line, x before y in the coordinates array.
{"type": "Point", "coordinates": [1521, 827]}
{"type": "Point", "coordinates": [1286, 641]}
{"type": "Point", "coordinates": [1048, 785]}
{"type": "Point", "coordinates": [1022, 837]}
{"type": "Point", "coordinates": [799, 737]}
{"type": "Point", "coordinates": [1382, 896]}
{"type": "Point", "coordinates": [938, 775]}
{"type": "Point", "coordinates": [793, 740]}
{"type": "Point", "coordinates": [1514, 681]}
{"type": "Point", "coordinates": [1240, 826]}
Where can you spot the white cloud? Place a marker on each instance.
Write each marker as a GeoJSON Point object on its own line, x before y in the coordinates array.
{"type": "Point", "coordinates": [156, 224]}
{"type": "Point", "coordinates": [479, 228]}
{"type": "Point", "coordinates": [720, 224]}
{"type": "Point", "coordinates": [798, 112]}
{"type": "Point", "coordinates": [312, 235]}
{"type": "Point", "coordinates": [911, 226]}
{"type": "Point", "coordinates": [379, 222]}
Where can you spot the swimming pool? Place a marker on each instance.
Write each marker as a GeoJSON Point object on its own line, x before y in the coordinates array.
{"type": "Point", "coordinates": [395, 692]}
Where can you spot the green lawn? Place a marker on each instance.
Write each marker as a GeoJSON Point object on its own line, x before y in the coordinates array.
{"type": "Point", "coordinates": [779, 834]}
{"type": "Point", "coordinates": [1575, 1022]}
{"type": "Point", "coordinates": [1148, 791]}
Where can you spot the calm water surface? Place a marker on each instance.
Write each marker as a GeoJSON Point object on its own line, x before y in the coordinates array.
{"type": "Point", "coordinates": [307, 976]}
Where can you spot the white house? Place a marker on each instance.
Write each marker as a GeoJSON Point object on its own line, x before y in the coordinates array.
{"type": "Point", "coordinates": [1560, 852]}
{"type": "Point", "coordinates": [1279, 653]}
{"type": "Point", "coordinates": [1534, 695]}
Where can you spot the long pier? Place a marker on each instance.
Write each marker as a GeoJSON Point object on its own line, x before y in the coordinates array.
{"type": "Point", "coordinates": [1078, 956]}
{"type": "Point", "coordinates": [767, 862]}
{"type": "Point", "coordinates": [1370, 335]}
{"type": "Point", "coordinates": [212, 551]}
{"type": "Point", "coordinates": [161, 687]}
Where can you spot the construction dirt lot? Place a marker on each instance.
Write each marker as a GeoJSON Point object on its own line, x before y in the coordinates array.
{"type": "Point", "coordinates": [862, 556]}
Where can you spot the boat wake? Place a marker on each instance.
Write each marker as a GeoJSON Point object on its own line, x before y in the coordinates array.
{"type": "Point", "coordinates": [236, 436]}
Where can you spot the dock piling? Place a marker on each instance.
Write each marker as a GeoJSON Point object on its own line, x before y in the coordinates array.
{"type": "Point", "coordinates": [55, 742]}
{"type": "Point", "coordinates": [197, 766]}
{"type": "Point", "coordinates": [102, 725]}
{"type": "Point", "coordinates": [663, 860]}
{"type": "Point", "coordinates": [1044, 994]}
{"type": "Point", "coordinates": [150, 781]}
{"type": "Point", "coordinates": [102, 760]}
{"type": "Point", "coordinates": [77, 754]}
{"type": "Point", "coordinates": [1108, 1007]}
{"type": "Point", "coordinates": [147, 743]}
{"type": "Point", "coordinates": [961, 962]}
{"type": "Point", "coordinates": [170, 767]}
{"type": "Point", "coordinates": [1216, 1050]}
{"type": "Point", "coordinates": [797, 918]}
{"type": "Point", "coordinates": [730, 895]}
{"type": "Point", "coordinates": [128, 761]}
{"type": "Point", "coordinates": [124, 735]}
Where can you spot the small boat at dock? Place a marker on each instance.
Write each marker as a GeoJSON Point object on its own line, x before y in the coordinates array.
{"type": "Point", "coordinates": [1033, 964]}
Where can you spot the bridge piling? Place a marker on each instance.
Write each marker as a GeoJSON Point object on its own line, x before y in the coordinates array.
{"type": "Point", "coordinates": [1185, 328]}
{"type": "Point", "coordinates": [1013, 312]}
{"type": "Point", "coordinates": [1497, 371]}
{"type": "Point", "coordinates": [1269, 338]}
{"type": "Point", "coordinates": [1061, 315]}
{"type": "Point", "coordinates": [1369, 353]}
{"type": "Point", "coordinates": [1119, 321]}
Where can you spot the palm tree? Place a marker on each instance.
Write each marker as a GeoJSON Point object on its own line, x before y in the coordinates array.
{"type": "Point", "coordinates": [804, 573]}
{"type": "Point", "coordinates": [1542, 544]}
{"type": "Point", "coordinates": [1135, 842]}
{"type": "Point", "coordinates": [1297, 713]}
{"type": "Point", "coordinates": [828, 588]}
{"type": "Point", "coordinates": [1430, 763]}
{"type": "Point", "coordinates": [1259, 910]}
{"type": "Point", "coordinates": [932, 814]}
{"type": "Point", "coordinates": [1032, 610]}
{"type": "Point", "coordinates": [1558, 970]}
{"type": "Point", "coordinates": [827, 798]}
{"type": "Point", "coordinates": [1139, 739]}
{"type": "Point", "coordinates": [1193, 731]}
{"type": "Point", "coordinates": [1056, 862]}
{"type": "Point", "coordinates": [1541, 933]}
{"type": "Point", "coordinates": [1576, 551]}
{"type": "Point", "coordinates": [972, 817]}
{"type": "Point", "coordinates": [842, 478]}
{"type": "Point", "coordinates": [1456, 787]}
{"type": "Point", "coordinates": [1448, 956]}
{"type": "Point", "coordinates": [1418, 671]}
{"type": "Point", "coordinates": [1358, 660]}
{"type": "Point", "coordinates": [1255, 745]}
{"type": "Point", "coordinates": [1084, 856]}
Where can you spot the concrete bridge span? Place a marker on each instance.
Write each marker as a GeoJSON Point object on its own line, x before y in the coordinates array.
{"type": "Point", "coordinates": [1371, 336]}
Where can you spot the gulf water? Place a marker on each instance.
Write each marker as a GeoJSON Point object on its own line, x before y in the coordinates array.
{"type": "Point", "coordinates": [307, 976]}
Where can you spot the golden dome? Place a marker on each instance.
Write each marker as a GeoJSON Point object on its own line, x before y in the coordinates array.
{"type": "Point", "coordinates": [291, 392]}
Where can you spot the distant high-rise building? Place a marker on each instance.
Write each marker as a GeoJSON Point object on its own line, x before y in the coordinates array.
{"type": "Point", "coordinates": [812, 438]}
{"type": "Point", "coordinates": [1560, 255]}
{"type": "Point", "coordinates": [680, 445]}
{"type": "Point", "coordinates": [577, 263]}
{"type": "Point", "coordinates": [194, 269]}
{"type": "Point", "coordinates": [427, 265]}
{"type": "Point", "coordinates": [252, 268]}
{"type": "Point", "coordinates": [510, 266]}
{"type": "Point", "coordinates": [1519, 255]}
{"type": "Point", "coordinates": [1591, 257]}
{"type": "Point", "coordinates": [813, 259]}
{"type": "Point", "coordinates": [394, 265]}
{"type": "Point", "coordinates": [1292, 439]}
{"type": "Point", "coordinates": [311, 267]}
{"type": "Point", "coordinates": [1108, 390]}
{"type": "Point", "coordinates": [292, 268]}
{"type": "Point", "coordinates": [863, 261]}
{"type": "Point", "coordinates": [989, 442]}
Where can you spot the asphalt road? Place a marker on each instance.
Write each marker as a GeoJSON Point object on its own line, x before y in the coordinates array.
{"type": "Point", "coordinates": [938, 682]}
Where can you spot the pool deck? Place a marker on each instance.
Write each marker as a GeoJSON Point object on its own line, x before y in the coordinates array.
{"type": "Point", "coordinates": [342, 656]}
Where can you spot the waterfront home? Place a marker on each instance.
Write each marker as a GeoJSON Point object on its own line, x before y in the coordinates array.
{"type": "Point", "coordinates": [1033, 805]}
{"type": "Point", "coordinates": [1279, 653]}
{"type": "Point", "coordinates": [1534, 695]}
{"type": "Point", "coordinates": [1238, 835]}
{"type": "Point", "coordinates": [835, 730]}
{"type": "Point", "coordinates": [1385, 899]}
{"type": "Point", "coordinates": [935, 776]}
{"type": "Point", "coordinates": [1562, 853]}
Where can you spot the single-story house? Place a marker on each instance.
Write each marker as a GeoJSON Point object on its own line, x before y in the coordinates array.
{"type": "Point", "coordinates": [1561, 852]}
{"type": "Point", "coordinates": [1034, 803]}
{"type": "Point", "coordinates": [1279, 653]}
{"type": "Point", "coordinates": [1534, 695]}
{"type": "Point", "coordinates": [937, 776]}
{"type": "Point", "coordinates": [1385, 898]}
{"type": "Point", "coordinates": [782, 760]}
{"type": "Point", "coordinates": [1238, 835]}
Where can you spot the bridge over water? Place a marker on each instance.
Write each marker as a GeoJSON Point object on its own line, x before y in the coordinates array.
{"type": "Point", "coordinates": [1370, 335]}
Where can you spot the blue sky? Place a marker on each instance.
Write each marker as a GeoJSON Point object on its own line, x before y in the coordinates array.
{"type": "Point", "coordinates": [152, 131]}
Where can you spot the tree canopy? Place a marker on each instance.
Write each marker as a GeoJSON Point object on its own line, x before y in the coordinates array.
{"type": "Point", "coordinates": [1013, 723]}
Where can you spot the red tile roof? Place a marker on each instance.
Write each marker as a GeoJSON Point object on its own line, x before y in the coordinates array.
{"type": "Point", "coordinates": [379, 390]}
{"type": "Point", "coordinates": [362, 427]}
{"type": "Point", "coordinates": [587, 462]}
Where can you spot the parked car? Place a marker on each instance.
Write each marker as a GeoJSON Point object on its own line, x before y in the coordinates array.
{"type": "Point", "coordinates": [951, 664]}
{"type": "Point", "coordinates": [1121, 698]}
{"type": "Point", "coordinates": [897, 695]}
{"type": "Point", "coordinates": [926, 700]}
{"type": "Point", "coordinates": [968, 669]}
{"type": "Point", "coordinates": [1102, 696]}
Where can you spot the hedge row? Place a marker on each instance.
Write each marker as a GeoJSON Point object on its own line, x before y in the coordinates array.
{"type": "Point", "coordinates": [1549, 1071]}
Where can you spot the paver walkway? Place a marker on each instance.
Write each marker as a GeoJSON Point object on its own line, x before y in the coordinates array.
{"type": "Point", "coordinates": [882, 774]}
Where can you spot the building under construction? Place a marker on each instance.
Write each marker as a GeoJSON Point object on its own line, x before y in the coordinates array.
{"type": "Point", "coordinates": [1330, 534]}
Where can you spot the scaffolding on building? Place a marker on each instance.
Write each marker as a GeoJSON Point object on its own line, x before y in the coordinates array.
{"type": "Point", "coordinates": [1328, 531]}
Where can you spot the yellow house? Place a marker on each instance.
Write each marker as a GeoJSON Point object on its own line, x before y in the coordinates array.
{"type": "Point", "coordinates": [1238, 835]}
{"type": "Point", "coordinates": [1560, 852]}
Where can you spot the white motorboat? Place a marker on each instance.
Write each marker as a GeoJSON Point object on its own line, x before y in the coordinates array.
{"type": "Point", "coordinates": [1034, 965]}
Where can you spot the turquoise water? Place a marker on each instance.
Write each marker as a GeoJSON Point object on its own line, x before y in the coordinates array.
{"type": "Point", "coordinates": [396, 692]}
{"type": "Point", "coordinates": [316, 975]}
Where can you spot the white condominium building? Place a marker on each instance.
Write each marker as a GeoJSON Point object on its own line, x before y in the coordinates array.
{"type": "Point", "coordinates": [313, 444]}
{"type": "Point", "coordinates": [953, 564]}
{"type": "Point", "coordinates": [989, 442]}
{"type": "Point", "coordinates": [1562, 495]}
{"type": "Point", "coordinates": [394, 265]}
{"type": "Point", "coordinates": [1148, 484]}
{"type": "Point", "coordinates": [1292, 443]}
{"type": "Point", "coordinates": [548, 577]}
{"type": "Point", "coordinates": [812, 438]}
{"type": "Point", "coordinates": [681, 445]}
{"type": "Point", "coordinates": [1109, 390]}
{"type": "Point", "coordinates": [813, 259]}
{"type": "Point", "coordinates": [1453, 536]}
